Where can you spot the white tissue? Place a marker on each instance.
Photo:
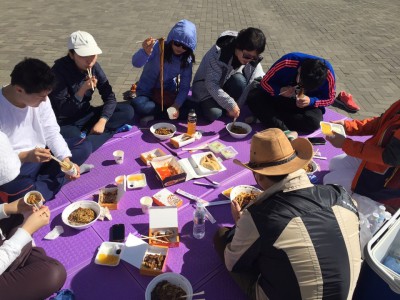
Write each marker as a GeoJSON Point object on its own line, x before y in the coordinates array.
{"type": "Point", "coordinates": [55, 233]}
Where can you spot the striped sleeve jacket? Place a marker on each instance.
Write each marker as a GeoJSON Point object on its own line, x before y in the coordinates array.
{"type": "Point", "coordinates": [284, 72]}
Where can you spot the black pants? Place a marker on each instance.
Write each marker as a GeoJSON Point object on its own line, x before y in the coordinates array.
{"type": "Point", "coordinates": [281, 112]}
{"type": "Point", "coordinates": [123, 114]}
{"type": "Point", "coordinates": [33, 275]}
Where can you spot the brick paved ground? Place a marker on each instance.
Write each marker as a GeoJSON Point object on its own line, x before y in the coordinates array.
{"type": "Point", "coordinates": [359, 37]}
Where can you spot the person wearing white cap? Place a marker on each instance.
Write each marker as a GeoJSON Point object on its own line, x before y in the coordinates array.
{"type": "Point", "coordinates": [296, 240]}
{"type": "Point", "coordinates": [26, 272]}
{"type": "Point", "coordinates": [28, 120]}
{"type": "Point", "coordinates": [78, 75]}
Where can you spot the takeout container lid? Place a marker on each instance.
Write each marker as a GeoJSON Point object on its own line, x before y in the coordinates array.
{"type": "Point", "coordinates": [165, 197]}
{"type": "Point", "coordinates": [135, 250]}
{"type": "Point", "coordinates": [168, 160]}
{"type": "Point", "coordinates": [148, 156]}
{"type": "Point", "coordinates": [182, 140]}
{"type": "Point", "coordinates": [163, 218]}
{"type": "Point", "coordinates": [109, 248]}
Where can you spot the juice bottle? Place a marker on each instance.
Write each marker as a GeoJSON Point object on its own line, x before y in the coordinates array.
{"type": "Point", "coordinates": [192, 120]}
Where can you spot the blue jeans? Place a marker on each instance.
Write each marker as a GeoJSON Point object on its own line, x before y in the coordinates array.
{"type": "Point", "coordinates": [234, 87]}
{"type": "Point", "coordinates": [144, 106]}
{"type": "Point", "coordinates": [123, 114]}
{"type": "Point", "coordinates": [47, 178]}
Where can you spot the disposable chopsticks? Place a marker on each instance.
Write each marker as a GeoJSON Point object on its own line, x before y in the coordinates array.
{"type": "Point", "coordinates": [89, 70]}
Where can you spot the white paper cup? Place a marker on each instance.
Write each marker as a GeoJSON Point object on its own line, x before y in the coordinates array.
{"type": "Point", "coordinates": [146, 202]}
{"type": "Point", "coordinates": [171, 111]}
{"type": "Point", "coordinates": [28, 198]}
{"type": "Point", "coordinates": [71, 170]}
{"type": "Point", "coordinates": [119, 156]}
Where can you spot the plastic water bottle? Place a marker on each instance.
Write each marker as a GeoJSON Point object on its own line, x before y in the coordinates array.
{"type": "Point", "coordinates": [192, 120]}
{"type": "Point", "coordinates": [199, 221]}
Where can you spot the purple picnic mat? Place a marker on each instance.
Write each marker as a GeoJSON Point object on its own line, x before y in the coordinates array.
{"type": "Point", "coordinates": [195, 259]}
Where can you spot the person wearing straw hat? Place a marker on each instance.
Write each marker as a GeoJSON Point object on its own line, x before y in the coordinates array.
{"type": "Point", "coordinates": [28, 120]}
{"type": "Point", "coordinates": [296, 240]}
{"type": "Point", "coordinates": [78, 75]}
{"type": "Point", "coordinates": [26, 272]}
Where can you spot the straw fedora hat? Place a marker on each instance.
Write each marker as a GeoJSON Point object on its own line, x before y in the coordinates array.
{"type": "Point", "coordinates": [272, 154]}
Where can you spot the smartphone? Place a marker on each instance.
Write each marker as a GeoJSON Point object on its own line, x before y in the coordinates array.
{"type": "Point", "coordinates": [317, 140]}
{"type": "Point", "coordinates": [117, 233]}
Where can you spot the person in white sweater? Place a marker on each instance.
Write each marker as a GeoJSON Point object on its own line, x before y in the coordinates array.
{"type": "Point", "coordinates": [26, 272]}
{"type": "Point", "coordinates": [27, 118]}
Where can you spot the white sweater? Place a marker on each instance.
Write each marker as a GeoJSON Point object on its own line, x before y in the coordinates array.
{"type": "Point", "coordinates": [11, 248]}
{"type": "Point", "coordinates": [29, 127]}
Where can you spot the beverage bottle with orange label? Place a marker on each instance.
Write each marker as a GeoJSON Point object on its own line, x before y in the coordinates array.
{"type": "Point", "coordinates": [192, 120]}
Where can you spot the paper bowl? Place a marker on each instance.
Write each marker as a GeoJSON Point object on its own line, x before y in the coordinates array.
{"type": "Point", "coordinates": [243, 189]}
{"type": "Point", "coordinates": [37, 195]}
{"type": "Point", "coordinates": [160, 136]}
{"type": "Point", "coordinates": [311, 168]}
{"type": "Point", "coordinates": [84, 204]}
{"type": "Point", "coordinates": [173, 278]}
{"type": "Point", "coordinates": [239, 135]}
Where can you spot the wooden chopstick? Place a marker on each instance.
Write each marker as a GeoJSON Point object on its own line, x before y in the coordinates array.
{"type": "Point", "coordinates": [62, 164]}
{"type": "Point", "coordinates": [145, 237]}
{"type": "Point", "coordinates": [38, 208]}
{"type": "Point", "coordinates": [90, 78]}
{"type": "Point", "coordinates": [161, 45]}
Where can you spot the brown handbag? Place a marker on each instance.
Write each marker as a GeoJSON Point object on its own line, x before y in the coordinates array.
{"type": "Point", "coordinates": [169, 97]}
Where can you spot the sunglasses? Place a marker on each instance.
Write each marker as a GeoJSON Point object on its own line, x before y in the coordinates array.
{"type": "Point", "coordinates": [250, 57]}
{"type": "Point", "coordinates": [178, 44]}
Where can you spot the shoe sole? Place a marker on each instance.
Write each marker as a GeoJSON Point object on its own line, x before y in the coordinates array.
{"type": "Point", "coordinates": [342, 105]}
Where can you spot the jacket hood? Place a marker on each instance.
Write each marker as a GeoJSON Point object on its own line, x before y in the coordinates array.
{"type": "Point", "coordinates": [184, 32]}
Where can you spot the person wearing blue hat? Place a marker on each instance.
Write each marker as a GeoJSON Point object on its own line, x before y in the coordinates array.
{"type": "Point", "coordinates": [176, 63]}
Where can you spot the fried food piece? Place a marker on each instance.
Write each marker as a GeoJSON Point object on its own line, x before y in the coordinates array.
{"type": "Point", "coordinates": [209, 162]}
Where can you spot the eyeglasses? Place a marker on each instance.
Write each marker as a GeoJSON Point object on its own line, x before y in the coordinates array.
{"type": "Point", "coordinates": [249, 57]}
{"type": "Point", "coordinates": [178, 44]}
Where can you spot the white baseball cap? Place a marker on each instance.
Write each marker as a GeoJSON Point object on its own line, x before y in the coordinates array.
{"type": "Point", "coordinates": [83, 44]}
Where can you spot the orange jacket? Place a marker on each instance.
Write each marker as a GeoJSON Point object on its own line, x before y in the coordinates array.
{"type": "Point", "coordinates": [378, 176]}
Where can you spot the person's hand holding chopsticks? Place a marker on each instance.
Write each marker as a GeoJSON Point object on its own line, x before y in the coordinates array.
{"type": "Point", "coordinates": [235, 112]}
{"type": "Point", "coordinates": [36, 155]}
{"type": "Point", "coordinates": [39, 218]}
{"type": "Point", "coordinates": [78, 173]}
{"type": "Point", "coordinates": [148, 45]}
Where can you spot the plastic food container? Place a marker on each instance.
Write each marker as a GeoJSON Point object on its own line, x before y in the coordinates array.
{"type": "Point", "coordinates": [229, 152]}
{"type": "Point", "coordinates": [109, 254]}
{"type": "Point", "coordinates": [216, 146]}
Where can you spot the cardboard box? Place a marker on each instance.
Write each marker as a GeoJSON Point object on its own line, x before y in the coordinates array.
{"type": "Point", "coordinates": [111, 196]}
{"type": "Point", "coordinates": [167, 198]}
{"type": "Point", "coordinates": [163, 221]}
{"type": "Point", "coordinates": [182, 140]}
{"type": "Point", "coordinates": [136, 251]}
{"type": "Point", "coordinates": [168, 170]}
{"type": "Point", "coordinates": [147, 157]}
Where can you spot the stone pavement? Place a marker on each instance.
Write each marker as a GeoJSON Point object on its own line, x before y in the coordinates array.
{"type": "Point", "coordinates": [359, 37]}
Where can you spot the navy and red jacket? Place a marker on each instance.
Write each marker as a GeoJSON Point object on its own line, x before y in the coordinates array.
{"type": "Point", "coordinates": [284, 72]}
